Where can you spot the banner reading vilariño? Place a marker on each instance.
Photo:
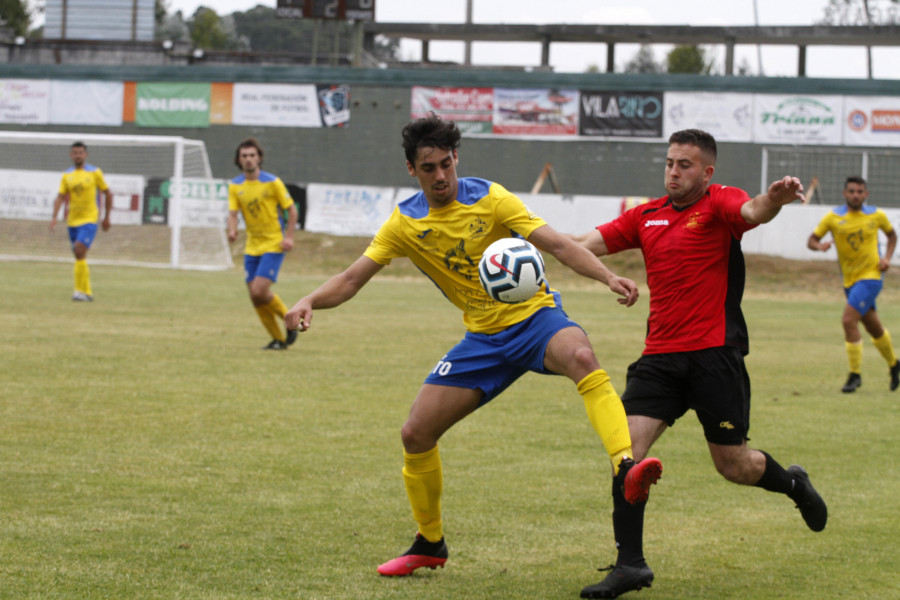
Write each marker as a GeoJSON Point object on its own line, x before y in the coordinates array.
{"type": "Point", "coordinates": [535, 112]}
{"type": "Point", "coordinates": [470, 108]}
{"type": "Point", "coordinates": [621, 114]}
{"type": "Point", "coordinates": [172, 104]}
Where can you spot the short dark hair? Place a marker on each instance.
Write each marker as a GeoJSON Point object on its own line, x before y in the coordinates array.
{"type": "Point", "coordinates": [79, 145]}
{"type": "Point", "coordinates": [429, 132]}
{"type": "Point", "coordinates": [248, 143]}
{"type": "Point", "coordinates": [696, 137]}
{"type": "Point", "coordinates": [855, 179]}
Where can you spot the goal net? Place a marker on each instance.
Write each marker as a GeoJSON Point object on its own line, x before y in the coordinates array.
{"type": "Point", "coordinates": [167, 210]}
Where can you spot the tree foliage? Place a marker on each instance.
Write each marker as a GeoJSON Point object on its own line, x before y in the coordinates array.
{"type": "Point", "coordinates": [16, 15]}
{"type": "Point", "coordinates": [688, 59]}
{"type": "Point", "coordinates": [643, 62]}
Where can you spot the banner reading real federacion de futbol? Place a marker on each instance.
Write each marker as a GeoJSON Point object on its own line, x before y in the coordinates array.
{"type": "Point", "coordinates": [470, 108]}
{"type": "Point", "coordinates": [172, 104]}
{"type": "Point", "coordinates": [621, 114]}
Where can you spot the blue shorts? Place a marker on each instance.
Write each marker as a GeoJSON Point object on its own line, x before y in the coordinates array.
{"type": "Point", "coordinates": [83, 233]}
{"type": "Point", "coordinates": [492, 362]}
{"type": "Point", "coordinates": [861, 295]}
{"type": "Point", "coordinates": [266, 266]}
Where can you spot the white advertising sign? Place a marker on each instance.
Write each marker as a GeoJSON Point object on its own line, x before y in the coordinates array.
{"type": "Point", "coordinates": [727, 116]}
{"type": "Point", "coordinates": [30, 195]}
{"type": "Point", "coordinates": [347, 209]}
{"type": "Point", "coordinates": [275, 105]}
{"type": "Point", "coordinates": [797, 119]}
{"type": "Point", "coordinates": [24, 101]}
{"type": "Point", "coordinates": [872, 121]}
{"type": "Point", "coordinates": [204, 202]}
{"type": "Point", "coordinates": [87, 102]}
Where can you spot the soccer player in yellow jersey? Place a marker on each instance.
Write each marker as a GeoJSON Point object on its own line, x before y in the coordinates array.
{"type": "Point", "coordinates": [854, 230]}
{"type": "Point", "coordinates": [82, 185]}
{"type": "Point", "coordinates": [443, 230]}
{"type": "Point", "coordinates": [262, 198]}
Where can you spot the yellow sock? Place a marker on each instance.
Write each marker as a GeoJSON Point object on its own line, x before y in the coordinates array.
{"type": "Point", "coordinates": [886, 348]}
{"type": "Point", "coordinates": [854, 356]}
{"type": "Point", "coordinates": [270, 322]}
{"type": "Point", "coordinates": [607, 415]}
{"type": "Point", "coordinates": [82, 277]}
{"type": "Point", "coordinates": [277, 307]}
{"type": "Point", "coordinates": [424, 481]}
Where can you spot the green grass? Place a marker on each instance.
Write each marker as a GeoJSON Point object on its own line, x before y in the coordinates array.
{"type": "Point", "coordinates": [149, 449]}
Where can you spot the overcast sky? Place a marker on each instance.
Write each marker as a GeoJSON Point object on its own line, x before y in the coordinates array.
{"type": "Point", "coordinates": [831, 61]}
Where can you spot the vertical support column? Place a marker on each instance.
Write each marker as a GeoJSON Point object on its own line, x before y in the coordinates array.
{"type": "Point", "coordinates": [425, 57]}
{"type": "Point", "coordinates": [729, 57]}
{"type": "Point", "coordinates": [801, 61]}
{"type": "Point", "coordinates": [545, 51]}
{"type": "Point", "coordinates": [610, 57]}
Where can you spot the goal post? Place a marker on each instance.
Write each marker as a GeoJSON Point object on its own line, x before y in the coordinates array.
{"type": "Point", "coordinates": [168, 211]}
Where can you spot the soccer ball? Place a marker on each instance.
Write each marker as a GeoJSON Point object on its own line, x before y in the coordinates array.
{"type": "Point", "coordinates": [511, 270]}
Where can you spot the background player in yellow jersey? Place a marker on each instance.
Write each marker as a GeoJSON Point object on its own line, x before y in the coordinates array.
{"type": "Point", "coordinates": [443, 230]}
{"type": "Point", "coordinates": [82, 185]}
{"type": "Point", "coordinates": [854, 230]}
{"type": "Point", "coordinates": [262, 198]}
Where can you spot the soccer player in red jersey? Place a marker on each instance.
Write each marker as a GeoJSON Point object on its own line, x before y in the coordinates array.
{"type": "Point", "coordinates": [696, 336]}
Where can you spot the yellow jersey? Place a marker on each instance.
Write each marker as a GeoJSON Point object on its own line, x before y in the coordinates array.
{"type": "Point", "coordinates": [83, 186]}
{"type": "Point", "coordinates": [446, 244]}
{"type": "Point", "coordinates": [261, 201]}
{"type": "Point", "coordinates": [855, 236]}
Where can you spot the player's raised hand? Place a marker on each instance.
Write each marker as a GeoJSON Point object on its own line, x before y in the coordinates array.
{"type": "Point", "coordinates": [786, 190]}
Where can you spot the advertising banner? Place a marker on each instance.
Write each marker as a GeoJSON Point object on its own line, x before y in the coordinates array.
{"type": "Point", "coordinates": [470, 108]}
{"type": "Point", "coordinates": [30, 195]}
{"type": "Point", "coordinates": [797, 119]}
{"type": "Point", "coordinates": [727, 116]}
{"type": "Point", "coordinates": [621, 114]}
{"type": "Point", "coordinates": [24, 101]}
{"type": "Point", "coordinates": [871, 121]}
{"type": "Point", "coordinates": [86, 102]}
{"type": "Point", "coordinates": [334, 105]}
{"type": "Point", "coordinates": [275, 105]}
{"type": "Point", "coordinates": [172, 104]}
{"type": "Point", "coordinates": [347, 209]}
{"type": "Point", "coordinates": [535, 112]}
{"type": "Point", "coordinates": [204, 202]}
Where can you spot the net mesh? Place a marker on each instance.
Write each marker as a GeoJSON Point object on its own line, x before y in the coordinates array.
{"type": "Point", "coordinates": [167, 209]}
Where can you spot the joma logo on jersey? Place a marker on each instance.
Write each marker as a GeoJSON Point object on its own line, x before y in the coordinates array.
{"type": "Point", "coordinates": [726, 425]}
{"type": "Point", "coordinates": [656, 223]}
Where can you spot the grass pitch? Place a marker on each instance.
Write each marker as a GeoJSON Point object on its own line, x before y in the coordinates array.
{"type": "Point", "coordinates": [149, 449]}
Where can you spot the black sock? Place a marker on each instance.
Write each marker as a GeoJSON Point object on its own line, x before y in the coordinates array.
{"type": "Point", "coordinates": [775, 478]}
{"type": "Point", "coordinates": [628, 527]}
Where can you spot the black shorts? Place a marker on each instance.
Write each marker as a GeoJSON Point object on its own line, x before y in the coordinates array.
{"type": "Point", "coordinates": [713, 382]}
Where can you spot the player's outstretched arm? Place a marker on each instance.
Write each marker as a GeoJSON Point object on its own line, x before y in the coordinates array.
{"type": "Point", "coordinates": [584, 262]}
{"type": "Point", "coordinates": [815, 243]}
{"type": "Point", "coordinates": [764, 207]}
{"type": "Point", "coordinates": [333, 292]}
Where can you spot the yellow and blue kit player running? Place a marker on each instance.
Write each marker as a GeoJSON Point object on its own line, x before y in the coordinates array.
{"type": "Point", "coordinates": [262, 198]}
{"type": "Point", "coordinates": [82, 185]}
{"type": "Point", "coordinates": [854, 230]}
{"type": "Point", "coordinates": [443, 230]}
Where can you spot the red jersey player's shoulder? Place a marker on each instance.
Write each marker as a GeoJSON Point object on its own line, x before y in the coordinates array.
{"type": "Point", "coordinates": [724, 191]}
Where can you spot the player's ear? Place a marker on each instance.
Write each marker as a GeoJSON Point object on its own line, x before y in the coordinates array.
{"type": "Point", "coordinates": [411, 169]}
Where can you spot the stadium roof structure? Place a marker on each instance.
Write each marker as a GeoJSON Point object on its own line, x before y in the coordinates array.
{"type": "Point", "coordinates": [799, 36]}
